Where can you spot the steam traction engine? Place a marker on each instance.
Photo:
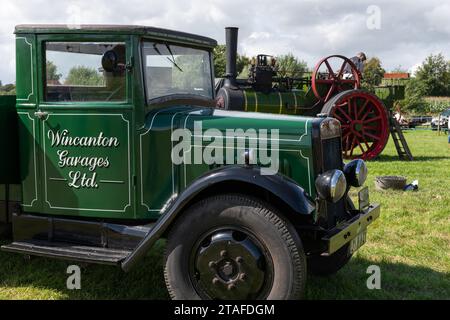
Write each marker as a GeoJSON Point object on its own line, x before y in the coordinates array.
{"type": "Point", "coordinates": [332, 89]}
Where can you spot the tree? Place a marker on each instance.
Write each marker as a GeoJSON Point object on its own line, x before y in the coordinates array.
{"type": "Point", "coordinates": [7, 89]}
{"type": "Point", "coordinates": [435, 73]}
{"type": "Point", "coordinates": [373, 74]}
{"type": "Point", "coordinates": [243, 66]}
{"type": "Point", "coordinates": [84, 76]}
{"type": "Point", "coordinates": [191, 73]}
{"type": "Point", "coordinates": [220, 62]}
{"type": "Point", "coordinates": [415, 92]}
{"type": "Point", "coordinates": [52, 72]}
{"type": "Point", "coordinates": [290, 66]}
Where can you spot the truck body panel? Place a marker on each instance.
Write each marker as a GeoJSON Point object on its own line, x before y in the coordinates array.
{"type": "Point", "coordinates": [67, 172]}
{"type": "Point", "coordinates": [155, 149]}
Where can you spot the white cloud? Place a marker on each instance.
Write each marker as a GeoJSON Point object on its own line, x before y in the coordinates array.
{"type": "Point", "coordinates": [260, 36]}
{"type": "Point", "coordinates": [310, 29]}
{"type": "Point", "coordinates": [438, 18]}
{"type": "Point", "coordinates": [414, 69]}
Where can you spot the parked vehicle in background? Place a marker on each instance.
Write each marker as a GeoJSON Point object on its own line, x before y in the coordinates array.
{"type": "Point", "coordinates": [402, 121]}
{"type": "Point", "coordinates": [441, 120]}
{"type": "Point", "coordinates": [415, 121]}
{"type": "Point", "coordinates": [333, 89]}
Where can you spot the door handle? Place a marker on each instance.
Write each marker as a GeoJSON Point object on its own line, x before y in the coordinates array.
{"type": "Point", "coordinates": [41, 114]}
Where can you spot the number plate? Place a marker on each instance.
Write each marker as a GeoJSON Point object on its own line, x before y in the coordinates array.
{"type": "Point", "coordinates": [363, 197]}
{"type": "Point", "coordinates": [357, 242]}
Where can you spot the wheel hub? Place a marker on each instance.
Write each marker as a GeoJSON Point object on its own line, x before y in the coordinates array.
{"type": "Point", "coordinates": [227, 270]}
{"type": "Point", "coordinates": [357, 126]}
{"type": "Point", "coordinates": [229, 264]}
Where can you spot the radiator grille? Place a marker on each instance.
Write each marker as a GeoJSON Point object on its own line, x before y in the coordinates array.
{"type": "Point", "coordinates": [332, 159]}
{"type": "Point", "coordinates": [332, 154]}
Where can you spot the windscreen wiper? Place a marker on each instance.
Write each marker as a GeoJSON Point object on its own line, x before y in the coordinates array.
{"type": "Point", "coordinates": [173, 58]}
{"type": "Point", "coordinates": [170, 51]}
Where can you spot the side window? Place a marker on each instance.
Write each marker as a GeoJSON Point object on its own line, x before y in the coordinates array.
{"type": "Point", "coordinates": [85, 71]}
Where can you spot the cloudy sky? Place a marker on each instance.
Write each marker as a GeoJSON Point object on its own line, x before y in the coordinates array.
{"type": "Point", "coordinates": [401, 32]}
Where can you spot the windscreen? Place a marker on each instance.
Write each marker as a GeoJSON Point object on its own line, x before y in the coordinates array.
{"type": "Point", "coordinates": [172, 69]}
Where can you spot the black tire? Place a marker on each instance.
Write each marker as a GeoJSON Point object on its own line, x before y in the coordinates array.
{"type": "Point", "coordinates": [390, 182]}
{"type": "Point", "coordinates": [282, 263]}
{"type": "Point", "coordinates": [327, 265]}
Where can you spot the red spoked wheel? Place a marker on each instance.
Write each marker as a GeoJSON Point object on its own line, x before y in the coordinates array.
{"type": "Point", "coordinates": [334, 74]}
{"type": "Point", "coordinates": [364, 122]}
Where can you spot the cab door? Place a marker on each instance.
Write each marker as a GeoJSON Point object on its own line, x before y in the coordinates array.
{"type": "Point", "coordinates": [85, 119]}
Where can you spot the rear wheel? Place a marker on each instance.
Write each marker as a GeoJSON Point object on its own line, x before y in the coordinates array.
{"type": "Point", "coordinates": [364, 121]}
{"type": "Point", "coordinates": [233, 247]}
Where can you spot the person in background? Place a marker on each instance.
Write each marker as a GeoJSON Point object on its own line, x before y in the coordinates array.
{"type": "Point", "coordinates": [358, 61]}
{"type": "Point", "coordinates": [448, 131]}
{"type": "Point", "coordinates": [400, 119]}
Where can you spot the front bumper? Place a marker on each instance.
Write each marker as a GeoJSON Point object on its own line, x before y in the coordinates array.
{"type": "Point", "coordinates": [339, 236]}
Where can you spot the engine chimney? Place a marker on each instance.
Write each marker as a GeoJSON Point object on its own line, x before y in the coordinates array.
{"type": "Point", "coordinates": [231, 36]}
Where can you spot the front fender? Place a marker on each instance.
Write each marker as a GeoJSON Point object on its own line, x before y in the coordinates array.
{"type": "Point", "coordinates": [282, 187]}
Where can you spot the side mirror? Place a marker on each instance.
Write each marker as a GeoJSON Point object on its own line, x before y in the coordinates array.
{"type": "Point", "coordinates": [110, 61]}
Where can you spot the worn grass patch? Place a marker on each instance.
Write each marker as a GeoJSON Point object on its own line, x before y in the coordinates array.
{"type": "Point", "coordinates": [410, 242]}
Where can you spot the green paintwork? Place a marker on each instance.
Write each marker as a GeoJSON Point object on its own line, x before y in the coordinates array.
{"type": "Point", "coordinates": [45, 183]}
{"type": "Point", "coordinates": [111, 177]}
{"type": "Point", "coordinates": [295, 102]}
{"type": "Point", "coordinates": [140, 178]}
{"type": "Point", "coordinates": [391, 90]}
{"type": "Point", "coordinates": [162, 180]}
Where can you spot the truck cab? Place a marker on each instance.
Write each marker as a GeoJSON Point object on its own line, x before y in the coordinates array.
{"type": "Point", "coordinates": [113, 141]}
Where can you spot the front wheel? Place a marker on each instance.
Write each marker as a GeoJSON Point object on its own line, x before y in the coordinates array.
{"type": "Point", "coordinates": [234, 247]}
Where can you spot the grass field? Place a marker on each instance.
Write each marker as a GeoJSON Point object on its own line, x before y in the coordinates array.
{"type": "Point", "coordinates": [410, 243]}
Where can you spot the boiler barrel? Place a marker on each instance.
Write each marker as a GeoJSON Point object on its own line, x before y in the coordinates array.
{"type": "Point", "coordinates": [253, 101]}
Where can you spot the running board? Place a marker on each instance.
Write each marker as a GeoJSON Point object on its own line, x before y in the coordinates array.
{"type": "Point", "coordinates": [67, 251]}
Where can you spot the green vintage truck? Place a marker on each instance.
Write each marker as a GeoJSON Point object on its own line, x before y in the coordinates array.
{"type": "Point", "coordinates": [113, 141]}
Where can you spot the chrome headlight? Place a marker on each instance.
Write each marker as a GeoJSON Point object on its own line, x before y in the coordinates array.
{"type": "Point", "coordinates": [331, 185]}
{"type": "Point", "coordinates": [356, 172]}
